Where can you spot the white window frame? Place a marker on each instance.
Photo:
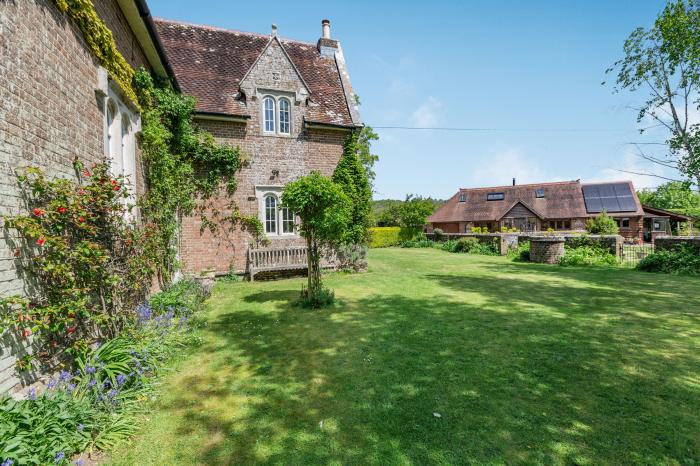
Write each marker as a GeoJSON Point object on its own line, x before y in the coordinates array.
{"type": "Point", "coordinates": [274, 220]}
{"type": "Point", "coordinates": [281, 130]}
{"type": "Point", "coordinates": [265, 100]}
{"type": "Point", "coordinates": [285, 220]}
{"type": "Point", "coordinates": [120, 141]}
{"type": "Point", "coordinates": [275, 192]}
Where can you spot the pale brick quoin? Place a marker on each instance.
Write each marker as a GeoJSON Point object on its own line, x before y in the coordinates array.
{"type": "Point", "coordinates": [230, 73]}
{"type": "Point", "coordinates": [53, 96]}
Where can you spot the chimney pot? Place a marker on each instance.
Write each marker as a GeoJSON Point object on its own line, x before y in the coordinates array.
{"type": "Point", "coordinates": [326, 29]}
{"type": "Point", "coordinates": [274, 30]}
{"type": "Point", "coordinates": [513, 181]}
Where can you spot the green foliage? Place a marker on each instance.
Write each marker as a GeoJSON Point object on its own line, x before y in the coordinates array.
{"type": "Point", "coordinates": [184, 166]}
{"type": "Point", "coordinates": [95, 405]}
{"type": "Point", "coordinates": [438, 234]}
{"type": "Point", "coordinates": [419, 243]}
{"type": "Point", "coordinates": [414, 212]}
{"type": "Point", "coordinates": [325, 212]}
{"type": "Point", "coordinates": [384, 237]}
{"type": "Point", "coordinates": [674, 195]}
{"type": "Point", "coordinates": [89, 265]}
{"type": "Point", "coordinates": [352, 177]}
{"type": "Point", "coordinates": [587, 255]}
{"type": "Point", "coordinates": [521, 253]}
{"type": "Point", "coordinates": [474, 246]}
{"type": "Point", "coordinates": [387, 212]}
{"type": "Point", "coordinates": [684, 260]}
{"type": "Point", "coordinates": [480, 230]}
{"type": "Point", "coordinates": [362, 144]}
{"type": "Point", "coordinates": [603, 224]}
{"type": "Point", "coordinates": [100, 41]}
{"type": "Point", "coordinates": [664, 61]}
{"type": "Point", "coordinates": [352, 257]}
{"type": "Point", "coordinates": [317, 298]}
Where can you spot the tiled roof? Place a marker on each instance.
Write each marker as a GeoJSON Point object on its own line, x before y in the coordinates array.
{"type": "Point", "coordinates": [209, 64]}
{"type": "Point", "coordinates": [561, 200]}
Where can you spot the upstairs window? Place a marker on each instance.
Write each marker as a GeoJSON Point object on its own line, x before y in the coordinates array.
{"type": "Point", "coordinates": [270, 214]}
{"type": "Point", "coordinates": [495, 196]}
{"type": "Point", "coordinates": [462, 198]}
{"type": "Point", "coordinates": [285, 114]}
{"type": "Point", "coordinates": [539, 192]}
{"type": "Point", "coordinates": [269, 114]}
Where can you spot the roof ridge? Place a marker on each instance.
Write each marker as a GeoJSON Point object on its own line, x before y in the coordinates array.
{"type": "Point", "coordinates": [231, 31]}
{"type": "Point", "coordinates": [547, 183]}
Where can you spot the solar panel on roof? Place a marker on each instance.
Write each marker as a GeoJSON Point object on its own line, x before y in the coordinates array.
{"type": "Point", "coordinates": [612, 197]}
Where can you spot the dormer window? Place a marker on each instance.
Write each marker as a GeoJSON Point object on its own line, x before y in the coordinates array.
{"type": "Point", "coordinates": [495, 196]}
{"type": "Point", "coordinates": [285, 116]}
{"type": "Point", "coordinates": [462, 198]}
{"type": "Point", "coordinates": [539, 192]}
{"type": "Point", "coordinates": [269, 114]}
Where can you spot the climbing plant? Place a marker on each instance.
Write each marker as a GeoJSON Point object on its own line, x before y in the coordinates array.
{"type": "Point", "coordinates": [351, 176]}
{"type": "Point", "coordinates": [100, 41]}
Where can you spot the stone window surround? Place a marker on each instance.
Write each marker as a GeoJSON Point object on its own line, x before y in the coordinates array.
{"type": "Point", "coordinates": [277, 96]}
{"type": "Point", "coordinates": [262, 192]}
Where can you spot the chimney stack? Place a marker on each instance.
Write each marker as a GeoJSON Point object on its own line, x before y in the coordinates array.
{"type": "Point", "coordinates": [327, 46]}
{"type": "Point", "coordinates": [274, 30]}
{"type": "Point", "coordinates": [513, 181]}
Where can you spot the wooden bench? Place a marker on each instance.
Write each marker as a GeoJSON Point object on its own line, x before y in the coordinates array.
{"type": "Point", "coordinates": [272, 259]}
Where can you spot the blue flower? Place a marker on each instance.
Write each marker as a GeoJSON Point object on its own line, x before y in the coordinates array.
{"type": "Point", "coordinates": [60, 456]}
{"type": "Point", "coordinates": [92, 383]}
{"type": "Point", "coordinates": [78, 462]}
{"type": "Point", "coordinates": [32, 394]}
{"type": "Point", "coordinates": [80, 427]}
{"type": "Point", "coordinates": [106, 384]}
{"type": "Point", "coordinates": [51, 384]}
{"type": "Point", "coordinates": [121, 380]}
{"type": "Point", "coordinates": [112, 393]}
{"type": "Point", "coordinates": [71, 387]}
{"type": "Point", "coordinates": [65, 376]}
{"type": "Point", "coordinates": [7, 462]}
{"type": "Point", "coordinates": [90, 369]}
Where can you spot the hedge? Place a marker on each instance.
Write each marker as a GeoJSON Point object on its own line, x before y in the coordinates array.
{"type": "Point", "coordinates": [383, 237]}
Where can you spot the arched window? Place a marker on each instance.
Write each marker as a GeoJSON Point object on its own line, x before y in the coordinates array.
{"type": "Point", "coordinates": [285, 116]}
{"type": "Point", "coordinates": [269, 114]}
{"type": "Point", "coordinates": [114, 138]}
{"type": "Point", "coordinates": [270, 214]}
{"type": "Point", "coordinates": [287, 220]}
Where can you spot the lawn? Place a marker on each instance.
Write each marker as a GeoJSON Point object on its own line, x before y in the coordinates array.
{"type": "Point", "coordinates": [439, 358]}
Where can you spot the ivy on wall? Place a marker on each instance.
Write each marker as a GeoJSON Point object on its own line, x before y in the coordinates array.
{"type": "Point", "coordinates": [100, 41]}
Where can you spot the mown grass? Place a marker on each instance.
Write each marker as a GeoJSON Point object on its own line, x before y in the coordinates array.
{"type": "Point", "coordinates": [524, 363]}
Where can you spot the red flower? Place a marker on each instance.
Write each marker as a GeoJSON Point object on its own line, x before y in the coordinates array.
{"type": "Point", "coordinates": [27, 331]}
{"type": "Point", "coordinates": [81, 219]}
{"type": "Point", "coordinates": [41, 241]}
{"type": "Point", "coordinates": [18, 252]}
{"type": "Point", "coordinates": [38, 212]}
{"type": "Point", "coordinates": [62, 210]}
{"type": "Point", "coordinates": [86, 172]}
{"type": "Point", "coordinates": [113, 181]}
{"type": "Point", "coordinates": [117, 187]}
{"type": "Point", "coordinates": [71, 329]}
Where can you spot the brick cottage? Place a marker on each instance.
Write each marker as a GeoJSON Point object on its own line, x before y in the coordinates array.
{"type": "Point", "coordinates": [561, 206]}
{"type": "Point", "coordinates": [287, 104]}
{"type": "Point", "coordinates": [58, 103]}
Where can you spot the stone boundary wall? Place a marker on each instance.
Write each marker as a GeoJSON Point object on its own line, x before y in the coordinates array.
{"type": "Point", "coordinates": [546, 250]}
{"type": "Point", "coordinates": [672, 242]}
{"type": "Point", "coordinates": [612, 243]}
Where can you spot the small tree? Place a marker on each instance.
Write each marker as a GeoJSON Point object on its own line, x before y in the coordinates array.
{"type": "Point", "coordinates": [414, 212]}
{"type": "Point", "coordinates": [603, 224]}
{"type": "Point", "coordinates": [324, 211]}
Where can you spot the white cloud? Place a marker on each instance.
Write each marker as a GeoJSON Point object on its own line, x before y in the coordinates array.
{"type": "Point", "coordinates": [501, 166]}
{"type": "Point", "coordinates": [427, 114]}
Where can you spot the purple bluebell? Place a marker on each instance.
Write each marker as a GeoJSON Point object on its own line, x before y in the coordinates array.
{"type": "Point", "coordinates": [70, 387]}
{"type": "Point", "coordinates": [80, 427]}
{"type": "Point", "coordinates": [90, 369]}
{"type": "Point", "coordinates": [60, 456]}
{"type": "Point", "coordinates": [78, 462]}
{"type": "Point", "coordinates": [32, 394]}
{"type": "Point", "coordinates": [121, 380]}
{"type": "Point", "coordinates": [51, 384]}
{"type": "Point", "coordinates": [65, 376]}
{"type": "Point", "coordinates": [92, 383]}
{"type": "Point", "coordinates": [7, 462]}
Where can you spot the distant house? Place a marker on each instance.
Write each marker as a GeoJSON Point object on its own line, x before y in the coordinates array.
{"type": "Point", "coordinates": [561, 206]}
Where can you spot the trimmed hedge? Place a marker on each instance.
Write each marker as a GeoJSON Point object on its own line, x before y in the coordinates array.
{"type": "Point", "coordinates": [384, 237]}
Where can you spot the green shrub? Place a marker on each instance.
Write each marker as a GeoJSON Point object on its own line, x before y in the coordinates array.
{"type": "Point", "coordinates": [587, 255]}
{"type": "Point", "coordinates": [418, 243]}
{"type": "Point", "coordinates": [317, 299]}
{"type": "Point", "coordinates": [521, 253]}
{"type": "Point", "coordinates": [603, 224]}
{"type": "Point", "coordinates": [352, 257]}
{"type": "Point", "coordinates": [183, 297]}
{"type": "Point", "coordinates": [438, 234]}
{"type": "Point", "coordinates": [383, 237]}
{"type": "Point", "coordinates": [471, 246]}
{"type": "Point", "coordinates": [684, 260]}
{"type": "Point", "coordinates": [466, 245]}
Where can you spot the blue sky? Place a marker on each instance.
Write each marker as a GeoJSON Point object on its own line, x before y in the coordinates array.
{"type": "Point", "coordinates": [531, 70]}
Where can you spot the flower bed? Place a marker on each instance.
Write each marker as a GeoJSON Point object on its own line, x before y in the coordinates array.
{"type": "Point", "coordinates": [92, 405]}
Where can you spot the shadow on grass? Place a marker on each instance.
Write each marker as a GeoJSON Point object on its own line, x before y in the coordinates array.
{"type": "Point", "coordinates": [583, 376]}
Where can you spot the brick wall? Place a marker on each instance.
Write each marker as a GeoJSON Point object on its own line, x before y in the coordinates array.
{"type": "Point", "coordinates": [274, 161]}
{"type": "Point", "coordinates": [49, 112]}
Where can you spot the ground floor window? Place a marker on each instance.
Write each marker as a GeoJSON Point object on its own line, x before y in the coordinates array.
{"type": "Point", "coordinates": [623, 222]}
{"type": "Point", "coordinates": [558, 224]}
{"type": "Point", "coordinates": [276, 218]}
